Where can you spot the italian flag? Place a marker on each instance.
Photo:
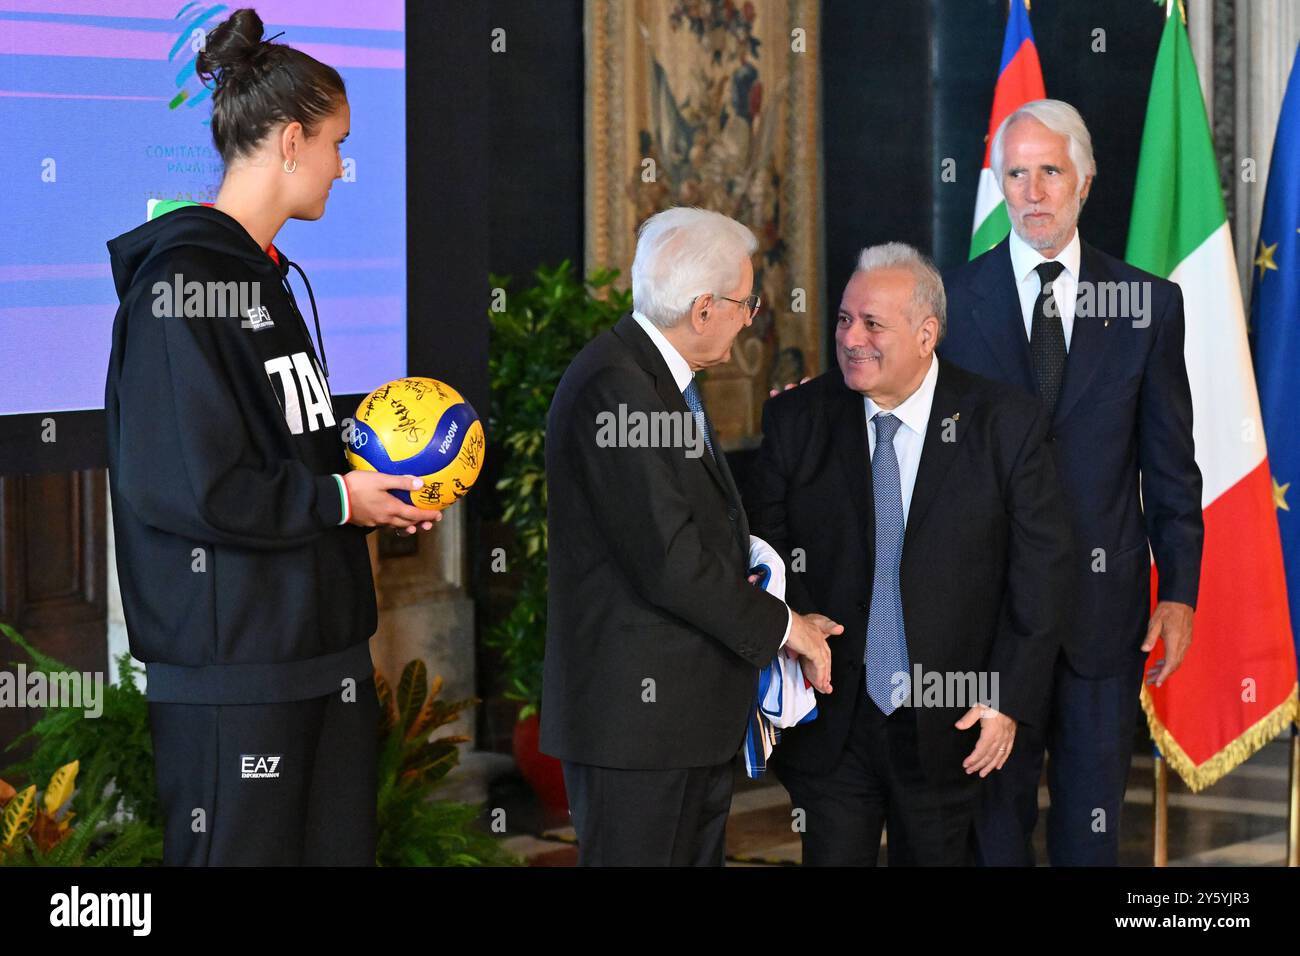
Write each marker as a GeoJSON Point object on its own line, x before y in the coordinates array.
{"type": "Point", "coordinates": [1020, 80]}
{"type": "Point", "coordinates": [1236, 688]}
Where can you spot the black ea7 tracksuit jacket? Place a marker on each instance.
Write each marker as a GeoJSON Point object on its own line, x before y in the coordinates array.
{"type": "Point", "coordinates": [241, 581]}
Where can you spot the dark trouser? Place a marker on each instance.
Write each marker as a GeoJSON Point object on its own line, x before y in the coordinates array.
{"type": "Point", "coordinates": [649, 817]}
{"type": "Point", "coordinates": [879, 782]}
{"type": "Point", "coordinates": [318, 811]}
{"type": "Point", "coordinates": [1089, 743]}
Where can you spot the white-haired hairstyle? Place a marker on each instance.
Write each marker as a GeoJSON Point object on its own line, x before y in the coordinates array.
{"type": "Point", "coordinates": [682, 253]}
{"type": "Point", "coordinates": [1061, 118]}
{"type": "Point", "coordinates": [928, 297]}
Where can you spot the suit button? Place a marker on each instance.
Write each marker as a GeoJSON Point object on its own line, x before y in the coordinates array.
{"type": "Point", "coordinates": [864, 605]}
{"type": "Point", "coordinates": [733, 514]}
{"type": "Point", "coordinates": [1051, 439]}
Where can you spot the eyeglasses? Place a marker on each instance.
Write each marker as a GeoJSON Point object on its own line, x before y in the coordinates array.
{"type": "Point", "coordinates": [753, 303]}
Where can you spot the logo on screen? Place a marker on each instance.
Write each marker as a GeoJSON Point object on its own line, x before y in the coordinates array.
{"type": "Point", "coordinates": [197, 19]}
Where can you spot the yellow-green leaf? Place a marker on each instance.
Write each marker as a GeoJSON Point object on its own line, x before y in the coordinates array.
{"type": "Point", "coordinates": [59, 790]}
{"type": "Point", "coordinates": [18, 816]}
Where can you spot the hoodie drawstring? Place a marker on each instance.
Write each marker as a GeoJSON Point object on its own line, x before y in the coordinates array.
{"type": "Point", "coordinates": [320, 342]}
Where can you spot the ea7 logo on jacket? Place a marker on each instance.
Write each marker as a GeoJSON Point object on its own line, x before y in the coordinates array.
{"type": "Point", "coordinates": [315, 397]}
{"type": "Point", "coordinates": [258, 318]}
{"type": "Point", "coordinates": [259, 766]}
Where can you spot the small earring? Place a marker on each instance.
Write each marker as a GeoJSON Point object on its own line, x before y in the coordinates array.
{"type": "Point", "coordinates": [288, 168]}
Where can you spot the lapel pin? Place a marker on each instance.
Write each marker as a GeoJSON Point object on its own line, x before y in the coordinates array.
{"type": "Point", "coordinates": [956, 416]}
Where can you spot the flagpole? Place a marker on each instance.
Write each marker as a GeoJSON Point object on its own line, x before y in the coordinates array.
{"type": "Point", "coordinates": [1293, 814]}
{"type": "Point", "coordinates": [1159, 769]}
{"type": "Point", "coordinates": [1161, 805]}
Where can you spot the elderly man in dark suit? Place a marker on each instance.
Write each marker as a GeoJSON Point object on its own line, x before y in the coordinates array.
{"type": "Point", "coordinates": [917, 504]}
{"type": "Point", "coordinates": [1042, 311]}
{"type": "Point", "coordinates": [655, 636]}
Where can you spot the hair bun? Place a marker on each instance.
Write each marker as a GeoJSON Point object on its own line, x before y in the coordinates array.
{"type": "Point", "coordinates": [232, 47]}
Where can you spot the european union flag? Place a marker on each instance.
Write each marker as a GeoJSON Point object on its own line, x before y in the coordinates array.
{"type": "Point", "coordinates": [1275, 331]}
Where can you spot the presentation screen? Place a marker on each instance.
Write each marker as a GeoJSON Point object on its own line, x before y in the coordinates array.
{"type": "Point", "coordinates": [102, 111]}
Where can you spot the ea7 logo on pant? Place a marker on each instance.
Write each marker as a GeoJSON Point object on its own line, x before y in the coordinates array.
{"type": "Point", "coordinates": [259, 766]}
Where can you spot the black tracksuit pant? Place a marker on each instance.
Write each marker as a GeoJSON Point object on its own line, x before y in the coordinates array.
{"type": "Point", "coordinates": [289, 784]}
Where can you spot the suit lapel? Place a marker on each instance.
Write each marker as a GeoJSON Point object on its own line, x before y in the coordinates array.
{"type": "Point", "coordinates": [998, 317]}
{"type": "Point", "coordinates": [650, 359]}
{"type": "Point", "coordinates": [950, 416]}
{"type": "Point", "coordinates": [847, 426]}
{"type": "Point", "coordinates": [1091, 337]}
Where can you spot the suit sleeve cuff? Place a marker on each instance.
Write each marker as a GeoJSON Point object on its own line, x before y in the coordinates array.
{"type": "Point", "coordinates": [1176, 593]}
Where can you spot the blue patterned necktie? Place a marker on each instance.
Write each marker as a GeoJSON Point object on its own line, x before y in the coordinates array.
{"type": "Point", "coordinates": [692, 396]}
{"type": "Point", "coordinates": [886, 641]}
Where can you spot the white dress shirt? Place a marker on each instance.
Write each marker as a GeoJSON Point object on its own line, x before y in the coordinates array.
{"type": "Point", "coordinates": [682, 376]}
{"type": "Point", "coordinates": [680, 368]}
{"type": "Point", "coordinates": [914, 413]}
{"type": "Point", "coordinates": [1024, 258]}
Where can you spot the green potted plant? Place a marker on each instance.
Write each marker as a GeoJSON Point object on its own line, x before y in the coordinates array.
{"type": "Point", "coordinates": [415, 830]}
{"type": "Point", "coordinates": [101, 772]}
{"type": "Point", "coordinates": [536, 332]}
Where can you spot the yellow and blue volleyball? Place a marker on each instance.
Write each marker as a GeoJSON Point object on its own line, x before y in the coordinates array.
{"type": "Point", "coordinates": [423, 427]}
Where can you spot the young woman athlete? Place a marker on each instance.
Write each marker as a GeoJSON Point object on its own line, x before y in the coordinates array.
{"type": "Point", "coordinates": [240, 533]}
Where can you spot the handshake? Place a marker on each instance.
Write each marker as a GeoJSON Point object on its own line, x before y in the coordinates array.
{"type": "Point", "coordinates": [808, 634]}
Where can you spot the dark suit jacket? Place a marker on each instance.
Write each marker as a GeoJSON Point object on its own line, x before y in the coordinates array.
{"type": "Point", "coordinates": [648, 557]}
{"type": "Point", "coordinates": [984, 559]}
{"type": "Point", "coordinates": [1124, 416]}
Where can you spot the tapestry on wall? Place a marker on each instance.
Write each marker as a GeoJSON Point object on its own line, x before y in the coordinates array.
{"type": "Point", "coordinates": [714, 103]}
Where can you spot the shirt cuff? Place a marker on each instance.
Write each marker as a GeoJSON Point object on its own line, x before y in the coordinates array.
{"type": "Point", "coordinates": [789, 623]}
{"type": "Point", "coordinates": [343, 498]}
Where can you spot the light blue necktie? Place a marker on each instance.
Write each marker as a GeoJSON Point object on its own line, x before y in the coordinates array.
{"type": "Point", "coordinates": [886, 640]}
{"type": "Point", "coordinates": [692, 396]}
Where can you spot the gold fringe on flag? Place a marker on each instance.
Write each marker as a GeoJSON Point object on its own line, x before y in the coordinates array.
{"type": "Point", "coordinates": [1199, 777]}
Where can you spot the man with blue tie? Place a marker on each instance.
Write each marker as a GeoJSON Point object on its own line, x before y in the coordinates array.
{"type": "Point", "coordinates": [917, 504]}
{"type": "Point", "coordinates": [1101, 344]}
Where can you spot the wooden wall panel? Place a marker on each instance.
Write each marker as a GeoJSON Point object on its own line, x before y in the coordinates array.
{"type": "Point", "coordinates": [52, 576]}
